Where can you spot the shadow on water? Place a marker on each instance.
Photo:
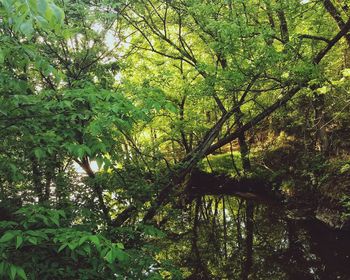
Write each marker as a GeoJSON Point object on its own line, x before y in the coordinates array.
{"type": "Point", "coordinates": [230, 238]}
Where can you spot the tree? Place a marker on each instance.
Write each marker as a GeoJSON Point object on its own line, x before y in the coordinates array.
{"type": "Point", "coordinates": [108, 109]}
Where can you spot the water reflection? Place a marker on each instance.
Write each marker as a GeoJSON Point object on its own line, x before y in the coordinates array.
{"type": "Point", "coordinates": [229, 238]}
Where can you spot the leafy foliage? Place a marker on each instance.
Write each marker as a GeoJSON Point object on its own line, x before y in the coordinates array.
{"type": "Point", "coordinates": [106, 107]}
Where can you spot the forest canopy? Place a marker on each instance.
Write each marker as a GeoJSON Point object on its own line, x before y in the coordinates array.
{"type": "Point", "coordinates": [123, 122]}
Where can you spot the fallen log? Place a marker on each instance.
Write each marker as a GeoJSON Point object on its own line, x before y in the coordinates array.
{"type": "Point", "coordinates": [202, 183]}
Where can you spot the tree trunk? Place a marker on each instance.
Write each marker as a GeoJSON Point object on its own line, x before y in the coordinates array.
{"type": "Point", "coordinates": [336, 15]}
{"type": "Point", "coordinates": [38, 186]}
{"type": "Point", "coordinates": [97, 188]}
{"type": "Point", "coordinates": [244, 150]}
{"type": "Point", "coordinates": [320, 123]}
{"type": "Point", "coordinates": [207, 147]}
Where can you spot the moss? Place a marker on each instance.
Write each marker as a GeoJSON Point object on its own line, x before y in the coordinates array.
{"type": "Point", "coordinates": [222, 163]}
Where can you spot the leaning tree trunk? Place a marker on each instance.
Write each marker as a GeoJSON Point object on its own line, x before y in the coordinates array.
{"type": "Point", "coordinates": [337, 17]}
{"type": "Point", "coordinates": [207, 147]}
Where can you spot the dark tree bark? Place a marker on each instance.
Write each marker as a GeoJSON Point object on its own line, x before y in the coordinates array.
{"type": "Point", "coordinates": [97, 188]}
{"type": "Point", "coordinates": [332, 10]}
{"type": "Point", "coordinates": [283, 26]}
{"type": "Point", "coordinates": [182, 119]}
{"type": "Point", "coordinates": [243, 146]}
{"type": "Point", "coordinates": [202, 183]}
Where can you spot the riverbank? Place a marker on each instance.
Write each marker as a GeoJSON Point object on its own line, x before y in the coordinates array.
{"type": "Point", "coordinates": [310, 183]}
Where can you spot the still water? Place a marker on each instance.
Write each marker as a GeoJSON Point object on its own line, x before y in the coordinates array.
{"type": "Point", "coordinates": [230, 238]}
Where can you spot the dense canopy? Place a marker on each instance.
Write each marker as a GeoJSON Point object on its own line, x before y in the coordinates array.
{"type": "Point", "coordinates": [148, 139]}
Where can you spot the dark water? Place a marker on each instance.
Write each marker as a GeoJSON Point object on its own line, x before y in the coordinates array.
{"type": "Point", "coordinates": [229, 238]}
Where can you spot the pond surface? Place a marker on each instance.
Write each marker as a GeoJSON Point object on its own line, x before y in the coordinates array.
{"type": "Point", "coordinates": [230, 238]}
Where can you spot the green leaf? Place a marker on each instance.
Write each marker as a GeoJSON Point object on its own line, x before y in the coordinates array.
{"type": "Point", "coordinates": [62, 247]}
{"type": "Point", "coordinates": [55, 220]}
{"type": "Point", "coordinates": [7, 237]}
{"type": "Point", "coordinates": [7, 225]}
{"type": "Point", "coordinates": [120, 245]}
{"type": "Point", "coordinates": [27, 28]}
{"type": "Point", "coordinates": [33, 240]}
{"type": "Point", "coordinates": [13, 271]}
{"type": "Point", "coordinates": [94, 239]}
{"type": "Point", "coordinates": [120, 255]}
{"type": "Point", "coordinates": [2, 56]}
{"type": "Point", "coordinates": [110, 257]}
{"type": "Point", "coordinates": [37, 233]}
{"type": "Point", "coordinates": [7, 3]}
{"type": "Point", "coordinates": [73, 245]}
{"type": "Point", "coordinates": [345, 168]}
{"type": "Point", "coordinates": [42, 6]}
{"type": "Point", "coordinates": [39, 153]}
{"type": "Point", "coordinates": [61, 213]}
{"type": "Point", "coordinates": [19, 241]}
{"type": "Point", "coordinates": [152, 231]}
{"type": "Point", "coordinates": [104, 251]}
{"type": "Point", "coordinates": [116, 253]}
{"type": "Point", "coordinates": [21, 273]}
{"type": "Point", "coordinates": [42, 21]}
{"type": "Point", "coordinates": [57, 12]}
{"type": "Point", "coordinates": [82, 240]}
{"type": "Point", "coordinates": [49, 16]}
{"type": "Point", "coordinates": [80, 152]}
{"type": "Point", "coordinates": [346, 72]}
{"type": "Point", "coordinates": [2, 268]}
{"type": "Point", "coordinates": [323, 90]}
